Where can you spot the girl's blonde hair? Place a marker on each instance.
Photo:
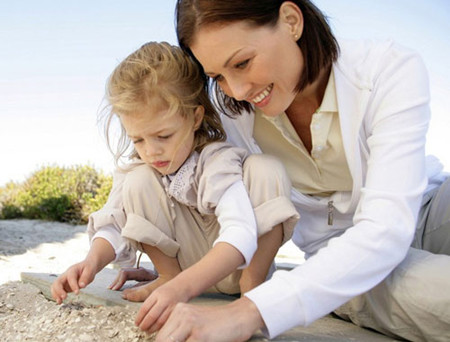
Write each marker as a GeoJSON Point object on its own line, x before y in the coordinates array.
{"type": "Point", "coordinates": [164, 73]}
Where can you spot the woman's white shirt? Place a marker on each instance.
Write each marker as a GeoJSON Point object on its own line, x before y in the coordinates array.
{"type": "Point", "coordinates": [383, 101]}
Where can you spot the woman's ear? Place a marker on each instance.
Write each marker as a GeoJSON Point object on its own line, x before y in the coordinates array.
{"type": "Point", "coordinates": [198, 116]}
{"type": "Point", "coordinates": [291, 15]}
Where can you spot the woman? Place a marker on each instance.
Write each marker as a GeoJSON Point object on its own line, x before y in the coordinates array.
{"type": "Point", "coordinates": [349, 121]}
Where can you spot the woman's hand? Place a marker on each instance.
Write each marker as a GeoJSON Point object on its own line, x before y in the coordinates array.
{"type": "Point", "coordinates": [236, 321]}
{"type": "Point", "coordinates": [138, 274]}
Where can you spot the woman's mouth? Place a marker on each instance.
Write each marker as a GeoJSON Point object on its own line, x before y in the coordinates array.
{"type": "Point", "coordinates": [261, 96]}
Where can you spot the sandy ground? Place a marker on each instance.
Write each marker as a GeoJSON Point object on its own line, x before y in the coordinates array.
{"type": "Point", "coordinates": [49, 247]}
{"type": "Point", "coordinates": [25, 314]}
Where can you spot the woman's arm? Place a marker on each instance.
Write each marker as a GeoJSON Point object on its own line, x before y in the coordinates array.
{"type": "Point", "coordinates": [394, 127]}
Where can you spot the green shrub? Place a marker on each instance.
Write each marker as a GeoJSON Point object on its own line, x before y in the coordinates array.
{"type": "Point", "coordinates": [56, 194]}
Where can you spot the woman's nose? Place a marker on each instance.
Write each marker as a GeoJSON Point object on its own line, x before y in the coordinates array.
{"type": "Point", "coordinates": [238, 88]}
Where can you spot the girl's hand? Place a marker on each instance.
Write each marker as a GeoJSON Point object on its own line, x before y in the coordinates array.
{"type": "Point", "coordinates": [158, 306]}
{"type": "Point", "coordinates": [236, 321]}
{"type": "Point", "coordinates": [76, 277]}
{"type": "Point", "coordinates": [80, 275]}
{"type": "Point", "coordinates": [138, 274]}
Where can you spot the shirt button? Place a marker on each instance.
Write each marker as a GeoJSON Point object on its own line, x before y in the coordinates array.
{"type": "Point", "coordinates": [317, 151]}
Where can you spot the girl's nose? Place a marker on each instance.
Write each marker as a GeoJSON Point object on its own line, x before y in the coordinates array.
{"type": "Point", "coordinates": [152, 149]}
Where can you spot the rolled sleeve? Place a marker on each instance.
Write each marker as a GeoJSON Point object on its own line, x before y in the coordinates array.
{"type": "Point", "coordinates": [139, 229]}
{"type": "Point", "coordinates": [125, 254]}
{"type": "Point", "coordinates": [237, 221]}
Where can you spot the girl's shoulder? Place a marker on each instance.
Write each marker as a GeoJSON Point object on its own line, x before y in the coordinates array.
{"type": "Point", "coordinates": [218, 167]}
{"type": "Point", "coordinates": [221, 150]}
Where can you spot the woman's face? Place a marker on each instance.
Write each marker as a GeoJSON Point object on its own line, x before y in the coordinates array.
{"type": "Point", "coordinates": [260, 65]}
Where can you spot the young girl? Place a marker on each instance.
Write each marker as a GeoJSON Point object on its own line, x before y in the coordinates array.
{"type": "Point", "coordinates": [210, 217]}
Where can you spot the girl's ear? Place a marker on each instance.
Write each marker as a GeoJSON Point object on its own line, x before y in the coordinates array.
{"type": "Point", "coordinates": [292, 16]}
{"type": "Point", "coordinates": [198, 116]}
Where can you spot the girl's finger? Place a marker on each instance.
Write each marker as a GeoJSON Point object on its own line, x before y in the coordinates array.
{"type": "Point", "coordinates": [161, 320]}
{"type": "Point", "coordinates": [72, 281]}
{"type": "Point", "coordinates": [145, 308]}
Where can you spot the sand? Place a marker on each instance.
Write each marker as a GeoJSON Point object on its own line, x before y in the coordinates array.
{"type": "Point", "coordinates": [50, 247]}
{"type": "Point", "coordinates": [25, 314]}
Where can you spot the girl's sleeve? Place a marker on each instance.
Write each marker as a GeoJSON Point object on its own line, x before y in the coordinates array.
{"type": "Point", "coordinates": [237, 221]}
{"type": "Point", "coordinates": [107, 223]}
{"type": "Point", "coordinates": [384, 222]}
{"type": "Point", "coordinates": [221, 191]}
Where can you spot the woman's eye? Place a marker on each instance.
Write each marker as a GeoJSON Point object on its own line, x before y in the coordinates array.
{"type": "Point", "coordinates": [242, 64]}
{"type": "Point", "coordinates": [137, 141]}
{"type": "Point", "coordinates": [164, 137]}
{"type": "Point", "coordinates": [217, 78]}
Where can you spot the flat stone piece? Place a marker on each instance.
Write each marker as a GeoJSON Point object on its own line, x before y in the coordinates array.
{"type": "Point", "coordinates": [327, 328]}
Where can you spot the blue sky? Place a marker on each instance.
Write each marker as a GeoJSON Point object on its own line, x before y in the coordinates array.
{"type": "Point", "coordinates": [55, 57]}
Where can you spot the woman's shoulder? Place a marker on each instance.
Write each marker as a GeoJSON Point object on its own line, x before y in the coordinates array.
{"type": "Point", "coordinates": [362, 60]}
{"type": "Point", "coordinates": [369, 50]}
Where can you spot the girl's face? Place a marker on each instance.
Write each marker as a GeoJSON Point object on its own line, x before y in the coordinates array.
{"type": "Point", "coordinates": [163, 141]}
{"type": "Point", "coordinates": [260, 65]}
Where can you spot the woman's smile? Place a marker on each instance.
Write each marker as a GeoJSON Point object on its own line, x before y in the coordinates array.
{"type": "Point", "coordinates": [263, 98]}
{"type": "Point", "coordinates": [251, 63]}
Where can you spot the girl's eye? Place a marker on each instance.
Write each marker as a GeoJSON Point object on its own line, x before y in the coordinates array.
{"type": "Point", "coordinates": [137, 141]}
{"type": "Point", "coordinates": [164, 137]}
{"type": "Point", "coordinates": [242, 65]}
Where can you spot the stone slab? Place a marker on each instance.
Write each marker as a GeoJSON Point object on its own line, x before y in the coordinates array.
{"type": "Point", "coordinates": [326, 329]}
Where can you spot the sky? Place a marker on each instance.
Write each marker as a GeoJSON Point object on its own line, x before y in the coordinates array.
{"type": "Point", "coordinates": [55, 58]}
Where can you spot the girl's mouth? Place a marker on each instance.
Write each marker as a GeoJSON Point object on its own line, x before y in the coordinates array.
{"type": "Point", "coordinates": [160, 164]}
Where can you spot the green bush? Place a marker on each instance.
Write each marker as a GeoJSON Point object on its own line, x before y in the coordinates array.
{"type": "Point", "coordinates": [56, 194]}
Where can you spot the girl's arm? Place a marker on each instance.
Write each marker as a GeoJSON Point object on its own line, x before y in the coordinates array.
{"type": "Point", "coordinates": [107, 223]}
{"type": "Point", "coordinates": [233, 248]}
{"type": "Point", "coordinates": [219, 262]}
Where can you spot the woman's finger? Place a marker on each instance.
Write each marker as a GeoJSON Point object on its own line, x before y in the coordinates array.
{"type": "Point", "coordinates": [177, 327]}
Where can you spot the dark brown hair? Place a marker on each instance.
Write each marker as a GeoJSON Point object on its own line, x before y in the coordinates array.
{"type": "Point", "coordinates": [317, 43]}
